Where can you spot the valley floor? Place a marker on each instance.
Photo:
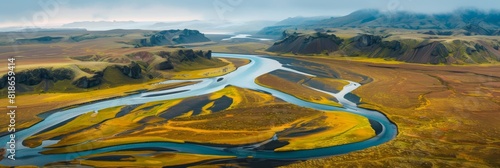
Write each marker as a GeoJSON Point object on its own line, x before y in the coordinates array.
{"type": "Point", "coordinates": [447, 116]}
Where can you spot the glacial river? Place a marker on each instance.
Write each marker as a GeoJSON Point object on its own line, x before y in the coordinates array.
{"type": "Point", "coordinates": [243, 77]}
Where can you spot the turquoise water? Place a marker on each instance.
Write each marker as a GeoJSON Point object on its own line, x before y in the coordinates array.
{"type": "Point", "coordinates": [243, 77]}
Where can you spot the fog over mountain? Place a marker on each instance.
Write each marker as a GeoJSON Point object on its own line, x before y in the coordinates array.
{"type": "Point", "coordinates": [235, 14]}
{"type": "Point", "coordinates": [474, 21]}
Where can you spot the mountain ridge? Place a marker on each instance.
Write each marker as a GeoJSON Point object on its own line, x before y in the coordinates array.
{"type": "Point", "coordinates": [475, 22]}
{"type": "Point", "coordinates": [429, 51]}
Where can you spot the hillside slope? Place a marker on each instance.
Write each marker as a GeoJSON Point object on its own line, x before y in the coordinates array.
{"type": "Point", "coordinates": [473, 22]}
{"type": "Point", "coordinates": [433, 51]}
{"type": "Point", "coordinates": [307, 44]}
{"type": "Point", "coordinates": [171, 37]}
{"type": "Point", "coordinates": [144, 66]}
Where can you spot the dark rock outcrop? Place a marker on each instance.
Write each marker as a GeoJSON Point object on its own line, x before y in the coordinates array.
{"type": "Point", "coordinates": [441, 33]}
{"type": "Point", "coordinates": [165, 65]}
{"type": "Point", "coordinates": [35, 76]}
{"type": "Point", "coordinates": [392, 46]}
{"type": "Point", "coordinates": [44, 39]}
{"type": "Point", "coordinates": [133, 70]}
{"type": "Point", "coordinates": [142, 42]}
{"type": "Point", "coordinates": [208, 54]}
{"type": "Point", "coordinates": [307, 44]}
{"type": "Point", "coordinates": [367, 40]}
{"type": "Point", "coordinates": [434, 53]}
{"type": "Point", "coordinates": [179, 56]}
{"type": "Point", "coordinates": [362, 45]}
{"type": "Point", "coordinates": [85, 82]}
{"type": "Point", "coordinates": [62, 74]}
{"type": "Point", "coordinates": [188, 36]}
{"type": "Point", "coordinates": [190, 55]}
{"type": "Point", "coordinates": [3, 81]}
{"type": "Point", "coordinates": [158, 39]}
{"type": "Point", "coordinates": [172, 37]}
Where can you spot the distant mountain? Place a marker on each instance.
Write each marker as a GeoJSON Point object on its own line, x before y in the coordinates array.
{"type": "Point", "coordinates": [204, 26]}
{"type": "Point", "coordinates": [53, 30]}
{"type": "Point", "coordinates": [299, 20]}
{"type": "Point", "coordinates": [192, 24]}
{"type": "Point", "coordinates": [171, 37]}
{"type": "Point", "coordinates": [290, 23]}
{"type": "Point", "coordinates": [307, 44]}
{"type": "Point", "coordinates": [44, 39]}
{"type": "Point", "coordinates": [214, 26]}
{"type": "Point", "coordinates": [105, 25]}
{"type": "Point", "coordinates": [475, 22]}
{"type": "Point", "coordinates": [23, 29]}
{"type": "Point", "coordinates": [357, 18]}
{"type": "Point", "coordinates": [406, 50]}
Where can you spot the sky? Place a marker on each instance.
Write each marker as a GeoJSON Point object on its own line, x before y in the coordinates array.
{"type": "Point", "coordinates": [46, 13]}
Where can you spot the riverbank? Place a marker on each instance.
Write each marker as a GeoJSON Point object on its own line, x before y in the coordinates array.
{"type": "Point", "coordinates": [243, 77]}
{"type": "Point", "coordinates": [442, 112]}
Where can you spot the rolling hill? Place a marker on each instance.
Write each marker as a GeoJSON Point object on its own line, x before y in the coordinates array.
{"type": "Point", "coordinates": [142, 66]}
{"type": "Point", "coordinates": [474, 22]}
{"type": "Point", "coordinates": [171, 37]}
{"type": "Point", "coordinates": [412, 50]}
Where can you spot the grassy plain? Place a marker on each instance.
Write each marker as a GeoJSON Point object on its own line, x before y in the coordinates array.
{"type": "Point", "coordinates": [104, 52]}
{"type": "Point", "coordinates": [80, 122]}
{"type": "Point", "coordinates": [29, 109]}
{"type": "Point", "coordinates": [447, 116]}
{"type": "Point", "coordinates": [339, 128]}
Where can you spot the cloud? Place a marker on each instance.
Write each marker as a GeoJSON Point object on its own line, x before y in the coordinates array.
{"type": "Point", "coordinates": [37, 11]}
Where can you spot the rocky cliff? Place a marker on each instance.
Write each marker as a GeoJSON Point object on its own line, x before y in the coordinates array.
{"type": "Point", "coordinates": [140, 67]}
{"type": "Point", "coordinates": [181, 56]}
{"type": "Point", "coordinates": [132, 71]}
{"type": "Point", "coordinates": [35, 76]}
{"type": "Point", "coordinates": [171, 37]}
{"type": "Point", "coordinates": [307, 44]}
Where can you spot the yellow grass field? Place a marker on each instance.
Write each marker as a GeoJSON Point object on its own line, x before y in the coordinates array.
{"type": "Point", "coordinates": [29, 109]}
{"type": "Point", "coordinates": [446, 115]}
{"type": "Point", "coordinates": [253, 117]}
